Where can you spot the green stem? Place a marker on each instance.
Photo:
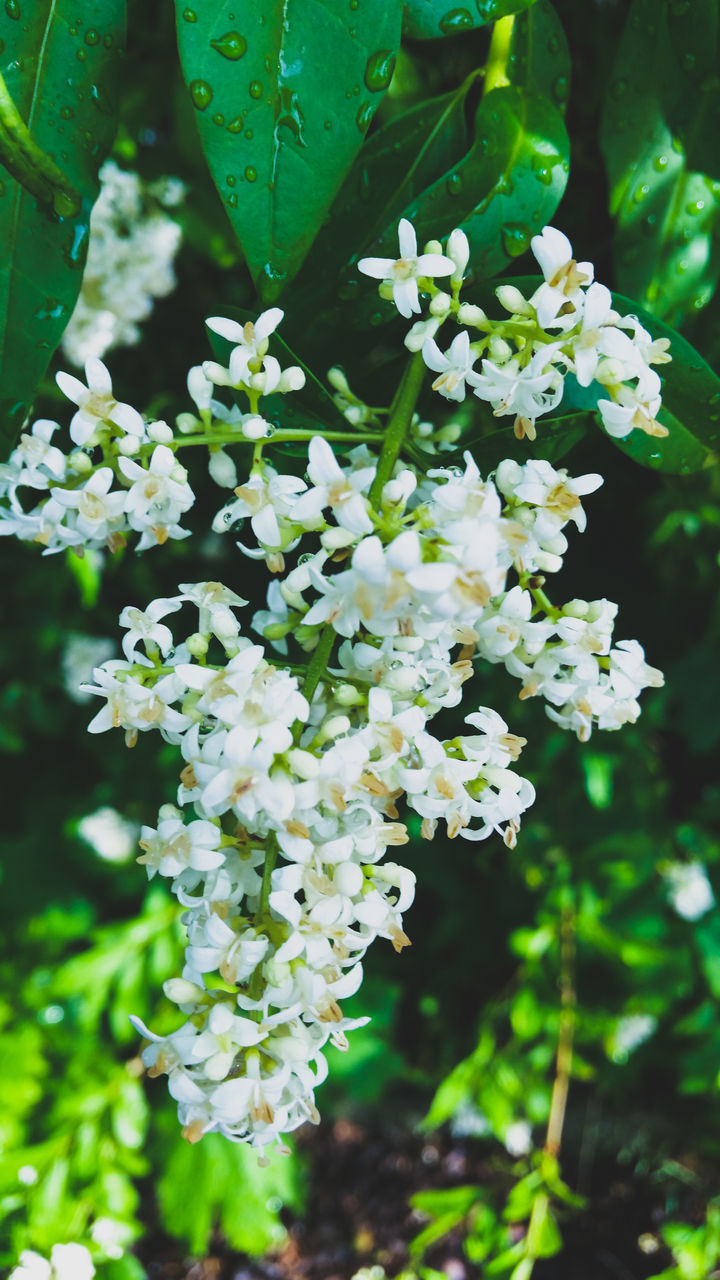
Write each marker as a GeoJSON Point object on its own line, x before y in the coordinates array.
{"type": "Point", "coordinates": [496, 76]}
{"type": "Point", "coordinates": [402, 409]}
{"type": "Point", "coordinates": [30, 165]}
{"type": "Point", "coordinates": [318, 663]}
{"type": "Point", "coordinates": [278, 437]}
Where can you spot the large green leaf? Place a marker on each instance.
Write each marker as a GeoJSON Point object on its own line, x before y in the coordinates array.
{"type": "Point", "coordinates": [58, 59]}
{"type": "Point", "coordinates": [426, 19]}
{"type": "Point", "coordinates": [666, 211]}
{"type": "Point", "coordinates": [284, 91]}
{"type": "Point", "coordinates": [539, 58]}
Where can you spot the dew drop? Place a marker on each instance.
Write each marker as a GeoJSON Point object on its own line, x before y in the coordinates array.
{"type": "Point", "coordinates": [641, 193]}
{"type": "Point", "coordinates": [81, 55]}
{"type": "Point", "coordinates": [231, 179]}
{"type": "Point", "coordinates": [379, 70]}
{"type": "Point", "coordinates": [354, 5]}
{"type": "Point", "coordinates": [619, 89]}
{"type": "Point", "coordinates": [249, 134]}
{"type": "Point", "coordinates": [12, 9]}
{"type": "Point", "coordinates": [232, 45]}
{"type": "Point", "coordinates": [250, 174]}
{"type": "Point", "coordinates": [682, 266]}
{"type": "Point", "coordinates": [695, 206]}
{"type": "Point", "coordinates": [201, 94]}
{"type": "Point", "coordinates": [232, 200]}
{"type": "Point", "coordinates": [328, 124]}
{"type": "Point", "coordinates": [108, 41]}
{"type": "Point", "coordinates": [189, 15]}
{"type": "Point", "coordinates": [66, 113]}
{"type": "Point", "coordinates": [660, 163]}
{"type": "Point", "coordinates": [454, 184]}
{"type": "Point", "coordinates": [364, 116]}
{"type": "Point", "coordinates": [515, 238]}
{"type": "Point", "coordinates": [561, 89]}
{"type": "Point", "coordinates": [92, 36]}
{"type": "Point", "coordinates": [218, 118]}
{"type": "Point", "coordinates": [542, 169]}
{"type": "Point", "coordinates": [236, 125]}
{"type": "Point", "coordinates": [553, 45]}
{"type": "Point", "coordinates": [456, 20]}
{"type": "Point", "coordinates": [255, 90]}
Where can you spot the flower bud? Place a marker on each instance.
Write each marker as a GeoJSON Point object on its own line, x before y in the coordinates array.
{"type": "Point", "coordinates": [79, 462]}
{"type": "Point", "coordinates": [292, 379]}
{"type": "Point", "coordinates": [576, 609]}
{"type": "Point", "coordinates": [254, 427]}
{"type": "Point", "coordinates": [458, 249]}
{"type": "Point", "coordinates": [303, 763]}
{"type": "Point", "coordinates": [346, 695]}
{"type": "Point", "coordinates": [186, 423]}
{"type": "Point", "coordinates": [498, 349]}
{"type": "Point", "coordinates": [160, 432]}
{"type": "Point", "coordinates": [334, 727]}
{"type": "Point", "coordinates": [512, 300]}
{"type": "Point", "coordinates": [199, 387]}
{"type": "Point", "coordinates": [385, 290]}
{"type": "Point", "coordinates": [180, 991]}
{"type": "Point", "coordinates": [179, 474]}
{"type": "Point", "coordinates": [337, 379]}
{"type": "Point", "coordinates": [198, 644]}
{"type": "Point", "coordinates": [440, 305]}
{"type": "Point", "coordinates": [216, 373]}
{"type": "Point", "coordinates": [468, 313]}
{"type": "Point", "coordinates": [433, 246]}
{"type": "Point", "coordinates": [127, 446]}
{"type": "Point", "coordinates": [222, 469]}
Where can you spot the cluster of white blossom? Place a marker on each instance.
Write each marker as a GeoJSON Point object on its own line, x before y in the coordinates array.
{"type": "Point", "coordinates": [389, 584]}
{"type": "Point", "coordinates": [131, 252]}
{"type": "Point", "coordinates": [567, 326]}
{"type": "Point", "coordinates": [66, 1262]}
{"type": "Point", "coordinates": [120, 476]}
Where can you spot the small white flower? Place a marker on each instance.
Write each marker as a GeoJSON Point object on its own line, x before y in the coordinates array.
{"type": "Point", "coordinates": [564, 280]}
{"type": "Point", "coordinates": [453, 366]}
{"type": "Point", "coordinates": [689, 889]}
{"type": "Point", "coordinates": [144, 625]}
{"type": "Point", "coordinates": [96, 403]}
{"type": "Point", "coordinates": [404, 272]}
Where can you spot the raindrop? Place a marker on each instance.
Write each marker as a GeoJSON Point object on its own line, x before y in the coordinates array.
{"type": "Point", "coordinates": [291, 115]}
{"type": "Point", "coordinates": [542, 169]}
{"type": "Point", "coordinates": [250, 174]}
{"type": "Point", "coordinates": [515, 238]}
{"type": "Point", "coordinates": [695, 206]}
{"type": "Point", "coordinates": [354, 5]}
{"type": "Point", "coordinates": [682, 266]}
{"type": "Point", "coordinates": [232, 45]}
{"type": "Point", "coordinates": [641, 193]}
{"type": "Point", "coordinates": [92, 36]}
{"type": "Point", "coordinates": [107, 41]}
{"type": "Point", "coordinates": [189, 15]}
{"type": "Point", "coordinates": [649, 223]}
{"type": "Point", "coordinates": [75, 252]}
{"type": "Point", "coordinates": [454, 184]}
{"type": "Point", "coordinates": [364, 116]}
{"type": "Point", "coordinates": [660, 163]}
{"type": "Point", "coordinates": [231, 179]}
{"type": "Point", "coordinates": [12, 9]}
{"type": "Point", "coordinates": [687, 62]}
{"type": "Point", "coordinates": [553, 45]}
{"type": "Point", "coordinates": [355, 90]}
{"type": "Point", "coordinates": [379, 70]}
{"type": "Point", "coordinates": [248, 134]}
{"type": "Point", "coordinates": [81, 55]}
{"type": "Point", "coordinates": [456, 20]}
{"type": "Point", "coordinates": [218, 118]}
{"type": "Point", "coordinates": [201, 94]}
{"type": "Point", "coordinates": [255, 90]}
{"type": "Point", "coordinates": [100, 100]}
{"type": "Point", "coordinates": [561, 89]}
{"type": "Point", "coordinates": [67, 113]}
{"type": "Point", "coordinates": [235, 126]}
{"type": "Point", "coordinates": [487, 9]}
{"type": "Point", "coordinates": [232, 200]}
{"type": "Point", "coordinates": [327, 125]}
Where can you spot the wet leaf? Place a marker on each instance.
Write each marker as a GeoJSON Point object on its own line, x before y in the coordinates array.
{"type": "Point", "coordinates": [427, 19]}
{"type": "Point", "coordinates": [59, 65]}
{"type": "Point", "coordinates": [539, 54]}
{"type": "Point", "coordinates": [284, 93]}
{"type": "Point", "coordinates": [666, 210]}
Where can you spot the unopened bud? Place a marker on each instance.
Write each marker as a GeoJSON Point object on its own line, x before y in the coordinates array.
{"type": "Point", "coordinates": [499, 350]}
{"type": "Point", "coordinates": [303, 763]}
{"type": "Point", "coordinates": [337, 379]}
{"type": "Point", "coordinates": [385, 290]}
{"type": "Point", "coordinates": [512, 300]}
{"type": "Point", "coordinates": [186, 423]}
{"type": "Point", "coordinates": [576, 609]}
{"type": "Point", "coordinates": [333, 727]}
{"type": "Point", "coordinates": [216, 373]}
{"type": "Point", "coordinates": [433, 246]}
{"type": "Point", "coordinates": [127, 446]}
{"type": "Point", "coordinates": [292, 379]}
{"type": "Point", "coordinates": [440, 305]}
{"type": "Point", "coordinates": [79, 462]}
{"type": "Point", "coordinates": [468, 313]}
{"type": "Point", "coordinates": [254, 427]}
{"type": "Point", "coordinates": [198, 644]}
{"type": "Point", "coordinates": [199, 387]}
{"type": "Point", "coordinates": [180, 991]}
{"type": "Point", "coordinates": [458, 249]}
{"type": "Point", "coordinates": [346, 695]}
{"type": "Point", "coordinates": [222, 469]}
{"type": "Point", "coordinates": [160, 432]}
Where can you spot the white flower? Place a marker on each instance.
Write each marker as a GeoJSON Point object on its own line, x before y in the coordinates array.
{"type": "Point", "coordinates": [109, 834]}
{"type": "Point", "coordinates": [67, 1262]}
{"type": "Point", "coordinates": [564, 279]}
{"type": "Point", "coordinates": [96, 403]}
{"type": "Point", "coordinates": [403, 272]}
{"type": "Point", "coordinates": [156, 499]}
{"type": "Point", "coordinates": [526, 391]}
{"type": "Point", "coordinates": [175, 846]}
{"type": "Point", "coordinates": [631, 409]}
{"type": "Point", "coordinates": [334, 487]}
{"type": "Point", "coordinates": [100, 509]}
{"type": "Point", "coordinates": [249, 356]}
{"type": "Point", "coordinates": [39, 456]}
{"type": "Point", "coordinates": [453, 365]}
{"type": "Point", "coordinates": [689, 889]}
{"type": "Point", "coordinates": [144, 625]}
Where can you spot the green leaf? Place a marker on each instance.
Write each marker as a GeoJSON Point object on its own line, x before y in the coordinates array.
{"type": "Point", "coordinates": [665, 209]}
{"type": "Point", "coordinates": [216, 1182]}
{"type": "Point", "coordinates": [61, 80]}
{"type": "Point", "coordinates": [427, 19]}
{"type": "Point", "coordinates": [539, 54]}
{"type": "Point", "coordinates": [284, 94]}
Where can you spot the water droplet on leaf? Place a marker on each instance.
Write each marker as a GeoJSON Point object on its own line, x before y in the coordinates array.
{"type": "Point", "coordinates": [12, 9]}
{"type": "Point", "coordinates": [454, 184]}
{"type": "Point", "coordinates": [250, 174]}
{"type": "Point", "coordinates": [92, 36]}
{"type": "Point", "coordinates": [364, 116]}
{"type": "Point", "coordinates": [255, 90]}
{"type": "Point", "coordinates": [660, 163]}
{"type": "Point", "coordinates": [201, 94]}
{"type": "Point", "coordinates": [232, 45]}
{"type": "Point", "coordinates": [189, 15]}
{"type": "Point", "coordinates": [561, 89]}
{"type": "Point", "coordinates": [235, 126]}
{"type": "Point", "coordinates": [218, 118]}
{"type": "Point", "coordinates": [456, 20]}
{"type": "Point", "coordinates": [379, 70]}
{"type": "Point", "coordinates": [515, 238]}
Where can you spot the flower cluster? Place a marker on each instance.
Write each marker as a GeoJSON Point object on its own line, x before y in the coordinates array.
{"type": "Point", "coordinates": [66, 1262]}
{"type": "Point", "coordinates": [567, 326]}
{"type": "Point", "coordinates": [132, 247]}
{"type": "Point", "coordinates": [121, 476]}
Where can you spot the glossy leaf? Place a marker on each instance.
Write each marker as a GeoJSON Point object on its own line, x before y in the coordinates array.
{"type": "Point", "coordinates": [539, 58]}
{"type": "Point", "coordinates": [284, 93]}
{"type": "Point", "coordinates": [666, 211]}
{"type": "Point", "coordinates": [427, 19]}
{"type": "Point", "coordinates": [59, 65]}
